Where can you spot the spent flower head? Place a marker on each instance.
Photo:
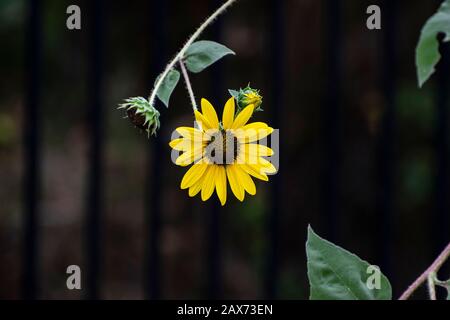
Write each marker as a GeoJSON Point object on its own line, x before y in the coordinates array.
{"type": "Point", "coordinates": [142, 114]}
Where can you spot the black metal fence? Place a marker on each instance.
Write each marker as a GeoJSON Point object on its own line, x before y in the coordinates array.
{"type": "Point", "coordinates": [332, 146]}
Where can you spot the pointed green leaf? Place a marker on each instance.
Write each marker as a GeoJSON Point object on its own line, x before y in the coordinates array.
{"type": "Point", "coordinates": [336, 274]}
{"type": "Point", "coordinates": [234, 93]}
{"type": "Point", "coordinates": [168, 85]}
{"type": "Point", "coordinates": [427, 51]}
{"type": "Point", "coordinates": [202, 54]}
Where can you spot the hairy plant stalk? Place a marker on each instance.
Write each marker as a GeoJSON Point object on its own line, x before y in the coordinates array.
{"type": "Point", "coordinates": [431, 286]}
{"type": "Point", "coordinates": [188, 85]}
{"type": "Point", "coordinates": [428, 274]}
{"type": "Point", "coordinates": [180, 54]}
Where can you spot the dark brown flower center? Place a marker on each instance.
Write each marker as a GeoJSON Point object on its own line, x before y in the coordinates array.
{"type": "Point", "coordinates": [137, 119]}
{"type": "Point", "coordinates": [222, 148]}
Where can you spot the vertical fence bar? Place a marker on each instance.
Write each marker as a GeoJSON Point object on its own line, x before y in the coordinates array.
{"type": "Point", "coordinates": [386, 155]}
{"type": "Point", "coordinates": [332, 118]}
{"type": "Point", "coordinates": [32, 134]}
{"type": "Point", "coordinates": [152, 269]}
{"type": "Point", "coordinates": [441, 220]}
{"type": "Point", "coordinates": [214, 248]}
{"type": "Point", "coordinates": [95, 116]}
{"type": "Point", "coordinates": [214, 252]}
{"type": "Point", "coordinates": [276, 49]}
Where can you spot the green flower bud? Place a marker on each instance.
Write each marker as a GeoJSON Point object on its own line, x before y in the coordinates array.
{"type": "Point", "coordinates": [247, 96]}
{"type": "Point", "coordinates": [142, 114]}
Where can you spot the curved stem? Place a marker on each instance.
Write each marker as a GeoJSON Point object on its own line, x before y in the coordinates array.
{"type": "Point", "coordinates": [188, 85]}
{"type": "Point", "coordinates": [434, 268]}
{"type": "Point", "coordinates": [180, 54]}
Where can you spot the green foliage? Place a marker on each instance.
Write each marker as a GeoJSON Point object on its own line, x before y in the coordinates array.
{"type": "Point", "coordinates": [336, 274]}
{"type": "Point", "coordinates": [234, 93]}
{"type": "Point", "coordinates": [427, 52]}
{"type": "Point", "coordinates": [168, 85]}
{"type": "Point", "coordinates": [202, 54]}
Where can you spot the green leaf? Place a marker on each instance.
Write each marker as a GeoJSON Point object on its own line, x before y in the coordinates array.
{"type": "Point", "coordinates": [427, 51]}
{"type": "Point", "coordinates": [168, 85]}
{"type": "Point", "coordinates": [202, 54]}
{"type": "Point", "coordinates": [336, 274]}
{"type": "Point", "coordinates": [234, 93]}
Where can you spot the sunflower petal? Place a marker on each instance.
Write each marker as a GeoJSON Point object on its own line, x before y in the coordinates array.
{"type": "Point", "coordinates": [193, 175]}
{"type": "Point", "coordinates": [202, 121]}
{"type": "Point", "coordinates": [251, 153]}
{"type": "Point", "coordinates": [189, 157]}
{"type": "Point", "coordinates": [208, 183]}
{"type": "Point", "coordinates": [209, 113]}
{"type": "Point", "coordinates": [175, 142]}
{"type": "Point", "coordinates": [228, 114]}
{"type": "Point", "coordinates": [245, 180]}
{"type": "Point", "coordinates": [252, 135]}
{"type": "Point", "coordinates": [196, 187]}
{"type": "Point", "coordinates": [256, 150]}
{"type": "Point", "coordinates": [243, 117]}
{"type": "Point", "coordinates": [235, 185]}
{"type": "Point", "coordinates": [192, 133]}
{"type": "Point", "coordinates": [183, 144]}
{"type": "Point", "coordinates": [255, 171]}
{"type": "Point", "coordinates": [255, 126]}
{"type": "Point", "coordinates": [221, 184]}
{"type": "Point", "coordinates": [267, 166]}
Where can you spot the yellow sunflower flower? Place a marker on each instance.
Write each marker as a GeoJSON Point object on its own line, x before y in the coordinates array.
{"type": "Point", "coordinates": [223, 151]}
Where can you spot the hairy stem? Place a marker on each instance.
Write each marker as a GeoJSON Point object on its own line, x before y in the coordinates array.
{"type": "Point", "coordinates": [188, 85]}
{"type": "Point", "coordinates": [430, 272]}
{"type": "Point", "coordinates": [180, 54]}
{"type": "Point", "coordinates": [431, 286]}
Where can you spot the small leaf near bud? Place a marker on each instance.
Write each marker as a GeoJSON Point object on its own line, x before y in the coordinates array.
{"type": "Point", "coordinates": [234, 93]}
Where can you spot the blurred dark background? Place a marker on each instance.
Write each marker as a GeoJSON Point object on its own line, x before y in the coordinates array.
{"type": "Point", "coordinates": [363, 155]}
